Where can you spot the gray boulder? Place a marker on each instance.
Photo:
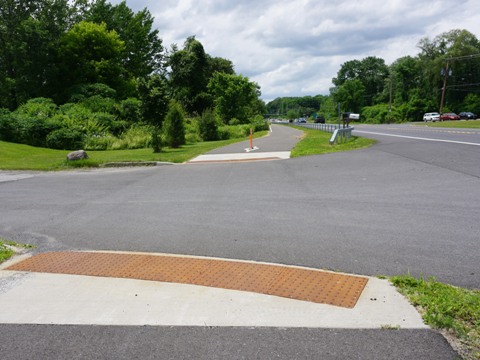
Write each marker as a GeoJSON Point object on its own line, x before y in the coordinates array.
{"type": "Point", "coordinates": [77, 155]}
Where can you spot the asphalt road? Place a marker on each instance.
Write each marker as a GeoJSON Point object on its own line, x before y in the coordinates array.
{"type": "Point", "coordinates": [404, 205]}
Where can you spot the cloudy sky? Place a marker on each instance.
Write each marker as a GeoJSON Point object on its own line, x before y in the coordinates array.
{"type": "Point", "coordinates": [296, 47]}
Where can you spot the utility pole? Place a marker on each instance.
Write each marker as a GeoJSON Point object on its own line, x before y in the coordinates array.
{"type": "Point", "coordinates": [445, 75]}
{"type": "Point", "coordinates": [390, 101]}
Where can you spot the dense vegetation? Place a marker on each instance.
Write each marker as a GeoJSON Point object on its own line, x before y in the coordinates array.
{"type": "Point", "coordinates": [404, 90]}
{"type": "Point", "coordinates": [89, 74]}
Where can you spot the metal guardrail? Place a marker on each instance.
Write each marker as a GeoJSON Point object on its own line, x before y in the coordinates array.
{"type": "Point", "coordinates": [339, 134]}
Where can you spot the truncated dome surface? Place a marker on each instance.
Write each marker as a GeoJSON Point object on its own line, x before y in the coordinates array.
{"type": "Point", "coordinates": [270, 279]}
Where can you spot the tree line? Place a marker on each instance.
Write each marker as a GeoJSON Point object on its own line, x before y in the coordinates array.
{"type": "Point", "coordinates": [86, 72]}
{"type": "Point", "coordinates": [449, 64]}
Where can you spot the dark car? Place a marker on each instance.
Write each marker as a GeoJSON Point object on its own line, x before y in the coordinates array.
{"type": "Point", "coordinates": [466, 115]}
{"type": "Point", "coordinates": [449, 116]}
{"type": "Point", "coordinates": [319, 120]}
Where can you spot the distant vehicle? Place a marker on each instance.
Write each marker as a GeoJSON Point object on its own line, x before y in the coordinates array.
{"type": "Point", "coordinates": [302, 120]}
{"type": "Point", "coordinates": [466, 115]}
{"type": "Point", "coordinates": [449, 116]}
{"type": "Point", "coordinates": [432, 116]}
{"type": "Point", "coordinates": [319, 120]}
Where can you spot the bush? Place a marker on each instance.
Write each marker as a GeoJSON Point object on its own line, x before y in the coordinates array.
{"type": "Point", "coordinates": [137, 137]}
{"type": "Point", "coordinates": [259, 123]}
{"type": "Point", "coordinates": [65, 139]}
{"type": "Point", "coordinates": [130, 110]}
{"type": "Point", "coordinates": [39, 108]}
{"type": "Point", "coordinates": [101, 104]}
{"type": "Point", "coordinates": [7, 129]}
{"type": "Point", "coordinates": [96, 142]}
{"type": "Point", "coordinates": [174, 126]}
{"type": "Point", "coordinates": [81, 92]}
{"type": "Point", "coordinates": [377, 114]}
{"type": "Point", "coordinates": [208, 126]}
{"type": "Point", "coordinates": [33, 131]}
{"type": "Point", "coordinates": [233, 132]}
{"type": "Point", "coordinates": [192, 138]}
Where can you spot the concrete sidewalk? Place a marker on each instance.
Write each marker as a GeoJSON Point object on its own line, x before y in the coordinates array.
{"type": "Point", "coordinates": [276, 145]}
{"type": "Point", "coordinates": [43, 298]}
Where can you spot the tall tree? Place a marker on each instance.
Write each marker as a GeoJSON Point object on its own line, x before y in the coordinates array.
{"type": "Point", "coordinates": [351, 95]}
{"type": "Point", "coordinates": [13, 14]}
{"type": "Point", "coordinates": [143, 50]}
{"type": "Point", "coordinates": [371, 72]}
{"type": "Point", "coordinates": [189, 76]}
{"type": "Point", "coordinates": [235, 96]}
{"type": "Point", "coordinates": [153, 93]}
{"type": "Point", "coordinates": [91, 54]}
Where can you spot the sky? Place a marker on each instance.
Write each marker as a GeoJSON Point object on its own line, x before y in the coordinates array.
{"type": "Point", "coordinates": [296, 47]}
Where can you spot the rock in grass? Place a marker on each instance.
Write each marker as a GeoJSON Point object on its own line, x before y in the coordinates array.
{"type": "Point", "coordinates": [77, 155]}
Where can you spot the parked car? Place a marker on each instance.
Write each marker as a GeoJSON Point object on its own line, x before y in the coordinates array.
{"type": "Point", "coordinates": [320, 120]}
{"type": "Point", "coordinates": [449, 116]}
{"type": "Point", "coordinates": [466, 115]}
{"type": "Point", "coordinates": [302, 120]}
{"type": "Point", "coordinates": [431, 116]}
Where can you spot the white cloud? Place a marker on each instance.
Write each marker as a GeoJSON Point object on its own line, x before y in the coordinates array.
{"type": "Point", "coordinates": [295, 47]}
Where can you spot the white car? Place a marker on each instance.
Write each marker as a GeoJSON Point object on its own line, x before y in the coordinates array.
{"type": "Point", "coordinates": [432, 116]}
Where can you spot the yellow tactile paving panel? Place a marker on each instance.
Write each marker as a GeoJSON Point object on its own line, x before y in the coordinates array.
{"type": "Point", "coordinates": [285, 281]}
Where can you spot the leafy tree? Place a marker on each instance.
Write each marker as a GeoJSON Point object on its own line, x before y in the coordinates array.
{"type": "Point", "coordinates": [472, 103]}
{"type": "Point", "coordinates": [405, 77]}
{"type": "Point", "coordinates": [462, 75]}
{"type": "Point", "coordinates": [351, 95]}
{"type": "Point", "coordinates": [174, 128]}
{"type": "Point", "coordinates": [235, 96]}
{"type": "Point", "coordinates": [153, 93]}
{"type": "Point", "coordinates": [29, 31]}
{"type": "Point", "coordinates": [91, 54]}
{"type": "Point", "coordinates": [371, 72]}
{"type": "Point", "coordinates": [189, 76]}
{"type": "Point", "coordinates": [143, 49]}
{"type": "Point", "coordinates": [218, 64]}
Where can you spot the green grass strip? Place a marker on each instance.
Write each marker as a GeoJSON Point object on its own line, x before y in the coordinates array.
{"type": "Point", "coordinates": [317, 142]}
{"type": "Point", "coordinates": [467, 124]}
{"type": "Point", "coordinates": [446, 307]}
{"type": "Point", "coordinates": [7, 249]}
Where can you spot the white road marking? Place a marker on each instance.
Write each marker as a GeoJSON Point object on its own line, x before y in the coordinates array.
{"type": "Point", "coordinates": [419, 138]}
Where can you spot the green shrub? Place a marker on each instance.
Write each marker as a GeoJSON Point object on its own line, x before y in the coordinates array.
{"type": "Point", "coordinates": [81, 92]}
{"type": "Point", "coordinates": [97, 142]}
{"type": "Point", "coordinates": [136, 137]}
{"type": "Point", "coordinates": [156, 140]}
{"type": "Point", "coordinates": [130, 110]}
{"type": "Point", "coordinates": [38, 108]}
{"type": "Point", "coordinates": [208, 126]}
{"type": "Point", "coordinates": [101, 104]}
{"type": "Point", "coordinates": [192, 138]}
{"type": "Point", "coordinates": [33, 131]}
{"type": "Point", "coordinates": [174, 126]}
{"type": "Point", "coordinates": [7, 128]}
{"type": "Point", "coordinates": [259, 123]}
{"type": "Point", "coordinates": [65, 139]}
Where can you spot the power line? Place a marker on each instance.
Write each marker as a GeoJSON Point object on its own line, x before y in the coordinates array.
{"type": "Point", "coordinates": [463, 57]}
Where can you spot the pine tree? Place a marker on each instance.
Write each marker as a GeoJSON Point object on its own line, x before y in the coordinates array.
{"type": "Point", "coordinates": [174, 125]}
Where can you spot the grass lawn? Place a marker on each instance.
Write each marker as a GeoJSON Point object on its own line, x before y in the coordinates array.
{"type": "Point", "coordinates": [455, 311]}
{"type": "Point", "coordinates": [462, 124]}
{"type": "Point", "coordinates": [24, 157]}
